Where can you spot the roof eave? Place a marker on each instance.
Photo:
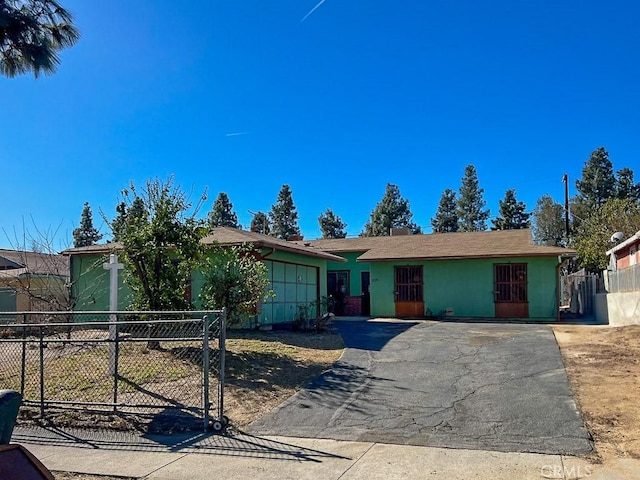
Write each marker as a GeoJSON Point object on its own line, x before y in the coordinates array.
{"type": "Point", "coordinates": [465, 257]}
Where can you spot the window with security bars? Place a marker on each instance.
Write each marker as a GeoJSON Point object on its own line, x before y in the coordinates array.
{"type": "Point", "coordinates": [409, 284]}
{"type": "Point", "coordinates": [511, 283]}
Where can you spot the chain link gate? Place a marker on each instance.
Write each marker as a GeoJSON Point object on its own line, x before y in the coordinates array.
{"type": "Point", "coordinates": [166, 367]}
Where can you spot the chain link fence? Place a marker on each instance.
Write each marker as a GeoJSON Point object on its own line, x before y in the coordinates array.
{"type": "Point", "coordinates": [164, 369]}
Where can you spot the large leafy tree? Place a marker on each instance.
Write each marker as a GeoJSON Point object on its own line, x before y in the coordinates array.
{"type": "Point", "coordinates": [626, 186]}
{"type": "Point", "coordinates": [222, 214]}
{"type": "Point", "coordinates": [472, 216]}
{"type": "Point", "coordinates": [594, 234]}
{"type": "Point", "coordinates": [86, 234]}
{"type": "Point", "coordinates": [446, 219]}
{"type": "Point", "coordinates": [548, 223]}
{"type": "Point", "coordinates": [234, 279]}
{"type": "Point", "coordinates": [598, 182]}
{"type": "Point", "coordinates": [392, 211]}
{"type": "Point", "coordinates": [260, 223]}
{"type": "Point", "coordinates": [160, 245]}
{"type": "Point", "coordinates": [283, 215]}
{"type": "Point", "coordinates": [32, 33]}
{"type": "Point", "coordinates": [331, 225]}
{"type": "Point", "coordinates": [512, 213]}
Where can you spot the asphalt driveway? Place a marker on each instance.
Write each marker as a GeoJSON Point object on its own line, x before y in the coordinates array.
{"type": "Point", "coordinates": [489, 386]}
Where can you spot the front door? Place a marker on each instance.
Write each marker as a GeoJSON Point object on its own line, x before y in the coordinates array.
{"type": "Point", "coordinates": [409, 300]}
{"type": "Point", "coordinates": [365, 298]}
{"type": "Point", "coordinates": [510, 290]}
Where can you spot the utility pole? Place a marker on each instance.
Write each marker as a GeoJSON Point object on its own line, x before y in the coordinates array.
{"type": "Point", "coordinates": [565, 179]}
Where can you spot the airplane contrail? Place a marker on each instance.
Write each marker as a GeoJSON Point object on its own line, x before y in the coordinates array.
{"type": "Point", "coordinates": [235, 134]}
{"type": "Point", "coordinates": [312, 10]}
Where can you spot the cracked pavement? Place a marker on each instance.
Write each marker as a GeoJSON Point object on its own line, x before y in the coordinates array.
{"type": "Point", "coordinates": [488, 386]}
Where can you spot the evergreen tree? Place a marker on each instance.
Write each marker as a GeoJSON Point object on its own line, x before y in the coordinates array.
{"type": "Point", "coordinates": [446, 219]}
{"type": "Point", "coordinates": [86, 234]}
{"type": "Point", "coordinates": [512, 215]}
{"type": "Point", "coordinates": [222, 214]}
{"type": "Point", "coordinates": [331, 225]}
{"type": "Point", "coordinates": [471, 214]}
{"type": "Point", "coordinates": [548, 223]}
{"type": "Point", "coordinates": [625, 186]}
{"type": "Point", "coordinates": [598, 182]}
{"type": "Point", "coordinates": [391, 212]}
{"type": "Point", "coordinates": [283, 215]}
{"type": "Point", "coordinates": [260, 223]}
{"type": "Point", "coordinates": [32, 32]}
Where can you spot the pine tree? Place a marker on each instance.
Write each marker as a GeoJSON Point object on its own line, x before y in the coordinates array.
{"type": "Point", "coordinates": [598, 182]}
{"type": "Point", "coordinates": [391, 212]}
{"type": "Point", "coordinates": [446, 219]}
{"type": "Point", "coordinates": [512, 215]}
{"type": "Point", "coordinates": [548, 223]}
{"type": "Point", "coordinates": [222, 214]}
{"type": "Point", "coordinates": [32, 33]}
{"type": "Point", "coordinates": [86, 234]}
{"type": "Point", "coordinates": [625, 185]}
{"type": "Point", "coordinates": [331, 225]}
{"type": "Point", "coordinates": [471, 214]}
{"type": "Point", "coordinates": [260, 223]}
{"type": "Point", "coordinates": [283, 215]}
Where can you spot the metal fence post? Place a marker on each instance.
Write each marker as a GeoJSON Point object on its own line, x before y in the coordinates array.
{"type": "Point", "coordinates": [41, 373]}
{"type": "Point", "coordinates": [115, 364]}
{"type": "Point", "coordinates": [222, 349]}
{"type": "Point", "coordinates": [23, 371]}
{"type": "Point", "coordinates": [205, 371]}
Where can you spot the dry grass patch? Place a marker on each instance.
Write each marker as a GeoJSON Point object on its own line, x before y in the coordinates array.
{"type": "Point", "coordinates": [603, 365]}
{"type": "Point", "coordinates": [265, 368]}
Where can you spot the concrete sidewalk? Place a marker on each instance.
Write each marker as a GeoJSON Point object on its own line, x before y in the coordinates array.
{"type": "Point", "coordinates": [241, 456]}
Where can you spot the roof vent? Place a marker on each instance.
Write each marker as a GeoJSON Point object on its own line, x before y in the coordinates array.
{"type": "Point", "coordinates": [295, 238]}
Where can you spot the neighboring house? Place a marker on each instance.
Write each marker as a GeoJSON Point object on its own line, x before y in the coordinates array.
{"type": "Point", "coordinates": [620, 305]}
{"type": "Point", "coordinates": [497, 274]}
{"type": "Point", "coordinates": [31, 281]}
{"type": "Point", "coordinates": [626, 254]}
{"type": "Point", "coordinates": [297, 275]}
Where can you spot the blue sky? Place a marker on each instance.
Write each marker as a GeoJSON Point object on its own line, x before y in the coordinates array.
{"type": "Point", "coordinates": [359, 94]}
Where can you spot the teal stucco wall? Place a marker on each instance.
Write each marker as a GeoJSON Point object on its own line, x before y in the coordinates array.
{"type": "Point", "coordinates": [295, 279]}
{"type": "Point", "coordinates": [90, 284]}
{"type": "Point", "coordinates": [467, 286]}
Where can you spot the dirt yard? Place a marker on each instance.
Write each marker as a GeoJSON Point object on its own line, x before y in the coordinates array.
{"type": "Point", "coordinates": [603, 364]}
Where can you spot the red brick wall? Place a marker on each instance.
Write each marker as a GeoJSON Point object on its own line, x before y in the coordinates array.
{"type": "Point", "coordinates": [352, 306]}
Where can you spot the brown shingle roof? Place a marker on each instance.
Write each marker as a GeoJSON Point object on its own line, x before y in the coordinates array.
{"type": "Point", "coordinates": [233, 236]}
{"type": "Point", "coordinates": [14, 263]}
{"type": "Point", "coordinates": [458, 245]}
{"type": "Point", "coordinates": [230, 236]}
